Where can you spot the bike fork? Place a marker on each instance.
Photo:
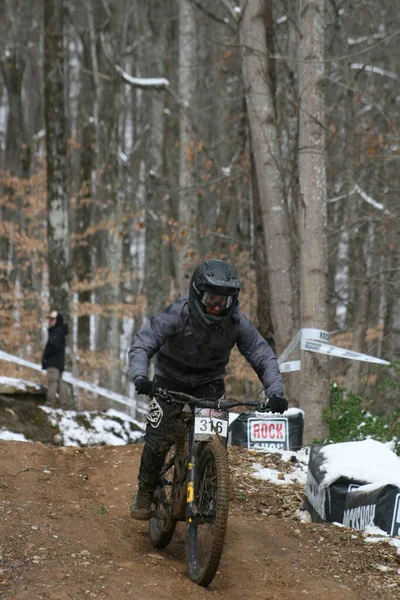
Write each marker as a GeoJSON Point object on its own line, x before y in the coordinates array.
{"type": "Point", "coordinates": [191, 473]}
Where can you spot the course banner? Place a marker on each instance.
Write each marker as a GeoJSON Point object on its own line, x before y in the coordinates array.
{"type": "Point", "coordinates": [259, 431]}
{"type": "Point", "coordinates": [325, 503]}
{"type": "Point", "coordinates": [379, 507]}
{"type": "Point", "coordinates": [317, 340]}
{"type": "Point", "coordinates": [353, 503]}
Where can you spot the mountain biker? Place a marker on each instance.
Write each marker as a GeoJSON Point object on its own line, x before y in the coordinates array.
{"type": "Point", "coordinates": [191, 342]}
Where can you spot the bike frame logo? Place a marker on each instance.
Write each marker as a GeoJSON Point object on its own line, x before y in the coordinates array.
{"type": "Point", "coordinates": [155, 414]}
{"type": "Point", "coordinates": [268, 433]}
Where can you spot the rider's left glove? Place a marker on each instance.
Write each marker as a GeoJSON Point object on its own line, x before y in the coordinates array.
{"type": "Point", "coordinates": [144, 386]}
{"type": "Point", "coordinates": [277, 403]}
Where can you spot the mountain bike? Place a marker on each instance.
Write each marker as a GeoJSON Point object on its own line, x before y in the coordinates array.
{"type": "Point", "coordinates": [194, 483]}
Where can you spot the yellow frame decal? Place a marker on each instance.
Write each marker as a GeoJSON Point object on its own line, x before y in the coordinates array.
{"type": "Point", "coordinates": [190, 492]}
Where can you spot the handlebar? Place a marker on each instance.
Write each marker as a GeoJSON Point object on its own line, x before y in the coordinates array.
{"type": "Point", "coordinates": [221, 403]}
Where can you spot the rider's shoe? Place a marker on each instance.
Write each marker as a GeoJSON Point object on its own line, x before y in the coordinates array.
{"type": "Point", "coordinates": [141, 506]}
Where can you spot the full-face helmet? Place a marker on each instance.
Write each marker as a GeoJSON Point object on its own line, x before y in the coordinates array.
{"type": "Point", "coordinates": [214, 283]}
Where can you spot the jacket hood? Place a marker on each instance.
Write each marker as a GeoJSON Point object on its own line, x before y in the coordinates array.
{"type": "Point", "coordinates": [60, 322]}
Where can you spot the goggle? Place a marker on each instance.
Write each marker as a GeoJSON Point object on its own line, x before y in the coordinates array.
{"type": "Point", "coordinates": [211, 300]}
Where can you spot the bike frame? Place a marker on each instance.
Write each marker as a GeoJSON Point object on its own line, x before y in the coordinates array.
{"type": "Point", "coordinates": [196, 478]}
{"type": "Point", "coordinates": [195, 444]}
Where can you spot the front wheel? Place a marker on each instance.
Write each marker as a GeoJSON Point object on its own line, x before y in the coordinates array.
{"type": "Point", "coordinates": [205, 534]}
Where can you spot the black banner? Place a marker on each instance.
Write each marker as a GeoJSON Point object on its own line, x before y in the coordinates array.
{"type": "Point", "coordinates": [344, 502]}
{"type": "Point", "coordinates": [260, 432]}
{"type": "Point", "coordinates": [325, 503]}
{"type": "Point", "coordinates": [379, 507]}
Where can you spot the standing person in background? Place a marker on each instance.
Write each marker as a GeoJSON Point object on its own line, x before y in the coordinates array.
{"type": "Point", "coordinates": [53, 360]}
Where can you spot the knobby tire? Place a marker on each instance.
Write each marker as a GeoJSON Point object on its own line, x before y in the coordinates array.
{"type": "Point", "coordinates": [161, 530]}
{"type": "Point", "coordinates": [205, 535]}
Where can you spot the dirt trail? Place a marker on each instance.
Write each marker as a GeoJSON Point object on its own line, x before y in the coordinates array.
{"type": "Point", "coordinates": [65, 533]}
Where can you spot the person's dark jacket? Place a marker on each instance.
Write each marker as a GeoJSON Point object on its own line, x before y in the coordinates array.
{"type": "Point", "coordinates": [194, 356]}
{"type": "Point", "coordinates": [54, 352]}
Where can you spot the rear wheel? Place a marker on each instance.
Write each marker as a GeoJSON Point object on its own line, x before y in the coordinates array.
{"type": "Point", "coordinates": [206, 532]}
{"type": "Point", "coordinates": [163, 522]}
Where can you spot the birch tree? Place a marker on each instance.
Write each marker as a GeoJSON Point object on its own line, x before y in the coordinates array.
{"type": "Point", "coordinates": [84, 205]}
{"type": "Point", "coordinates": [56, 150]}
{"type": "Point", "coordinates": [314, 381]}
{"type": "Point", "coordinates": [188, 202]}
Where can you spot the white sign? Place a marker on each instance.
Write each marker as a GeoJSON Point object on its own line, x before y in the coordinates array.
{"type": "Point", "coordinates": [317, 340]}
{"type": "Point", "coordinates": [268, 433]}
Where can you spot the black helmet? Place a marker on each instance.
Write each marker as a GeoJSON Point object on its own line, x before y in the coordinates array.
{"type": "Point", "coordinates": [213, 277]}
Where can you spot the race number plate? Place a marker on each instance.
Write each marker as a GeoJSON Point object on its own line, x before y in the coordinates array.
{"type": "Point", "coordinates": [210, 422]}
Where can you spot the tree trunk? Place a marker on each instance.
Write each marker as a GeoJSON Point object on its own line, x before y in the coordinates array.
{"type": "Point", "coordinates": [56, 148]}
{"type": "Point", "coordinates": [264, 322]}
{"type": "Point", "coordinates": [360, 280]}
{"type": "Point", "coordinates": [314, 380]}
{"type": "Point", "coordinates": [16, 270]}
{"type": "Point", "coordinates": [264, 138]}
{"type": "Point", "coordinates": [84, 204]}
{"type": "Point", "coordinates": [188, 202]}
{"type": "Point", "coordinates": [157, 268]}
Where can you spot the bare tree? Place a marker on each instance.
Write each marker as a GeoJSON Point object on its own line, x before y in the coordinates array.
{"type": "Point", "coordinates": [188, 201]}
{"type": "Point", "coordinates": [314, 380]}
{"type": "Point", "coordinates": [157, 264]}
{"type": "Point", "coordinates": [265, 144]}
{"type": "Point", "coordinates": [56, 149]}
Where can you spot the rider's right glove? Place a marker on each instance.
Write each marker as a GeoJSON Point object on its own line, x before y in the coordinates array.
{"type": "Point", "coordinates": [277, 403]}
{"type": "Point", "coordinates": [144, 386]}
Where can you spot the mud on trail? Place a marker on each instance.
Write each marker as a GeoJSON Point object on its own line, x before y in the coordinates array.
{"type": "Point", "coordinates": [66, 533]}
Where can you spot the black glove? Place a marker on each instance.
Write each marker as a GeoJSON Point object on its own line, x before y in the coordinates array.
{"type": "Point", "coordinates": [44, 364]}
{"type": "Point", "coordinates": [277, 404]}
{"type": "Point", "coordinates": [144, 386]}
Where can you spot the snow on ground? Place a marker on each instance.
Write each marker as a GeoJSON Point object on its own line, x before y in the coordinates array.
{"type": "Point", "coordinates": [274, 476]}
{"type": "Point", "coordinates": [92, 428]}
{"type": "Point", "coordinates": [10, 436]}
{"type": "Point", "coordinates": [297, 475]}
{"type": "Point", "coordinates": [373, 534]}
{"type": "Point", "coordinates": [87, 428]}
{"type": "Point", "coordinates": [19, 384]}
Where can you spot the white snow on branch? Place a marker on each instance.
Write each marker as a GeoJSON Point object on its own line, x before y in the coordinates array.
{"type": "Point", "coordinates": [365, 38]}
{"type": "Point", "coordinates": [143, 82]}
{"type": "Point", "coordinates": [374, 203]}
{"type": "Point", "coordinates": [364, 196]}
{"type": "Point", "coordinates": [373, 69]}
{"type": "Point", "coordinates": [337, 198]}
{"type": "Point", "coordinates": [123, 157]}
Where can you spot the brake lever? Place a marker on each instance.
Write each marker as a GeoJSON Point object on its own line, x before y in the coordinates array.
{"type": "Point", "coordinates": [264, 407]}
{"type": "Point", "coordinates": [220, 403]}
{"type": "Point", "coordinates": [163, 395]}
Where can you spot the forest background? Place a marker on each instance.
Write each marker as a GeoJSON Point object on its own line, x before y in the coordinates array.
{"type": "Point", "coordinates": [138, 137]}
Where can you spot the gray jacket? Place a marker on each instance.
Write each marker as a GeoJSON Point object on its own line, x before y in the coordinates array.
{"type": "Point", "coordinates": [193, 356]}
